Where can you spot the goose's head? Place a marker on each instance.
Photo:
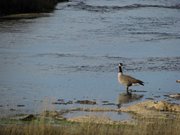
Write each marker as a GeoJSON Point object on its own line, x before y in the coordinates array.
{"type": "Point", "coordinates": [120, 64]}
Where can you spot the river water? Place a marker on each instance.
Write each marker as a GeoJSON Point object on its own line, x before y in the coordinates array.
{"type": "Point", "coordinates": [73, 54]}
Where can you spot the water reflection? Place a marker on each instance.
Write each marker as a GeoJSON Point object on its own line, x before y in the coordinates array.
{"type": "Point", "coordinates": [127, 98]}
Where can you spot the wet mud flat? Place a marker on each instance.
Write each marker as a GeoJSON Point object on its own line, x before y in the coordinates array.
{"type": "Point", "coordinates": [157, 116]}
{"type": "Point", "coordinates": [88, 109]}
{"type": "Point", "coordinates": [85, 107]}
{"type": "Point", "coordinates": [148, 109]}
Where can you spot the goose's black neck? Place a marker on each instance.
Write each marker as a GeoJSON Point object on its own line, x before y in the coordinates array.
{"type": "Point", "coordinates": [120, 69]}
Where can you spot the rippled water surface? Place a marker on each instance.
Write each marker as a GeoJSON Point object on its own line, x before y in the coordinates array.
{"type": "Point", "coordinates": [73, 53]}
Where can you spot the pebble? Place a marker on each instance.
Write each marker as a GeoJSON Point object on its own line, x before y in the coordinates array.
{"type": "Point", "coordinates": [20, 105]}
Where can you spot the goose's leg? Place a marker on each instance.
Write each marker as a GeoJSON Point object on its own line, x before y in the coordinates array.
{"type": "Point", "coordinates": [127, 90]}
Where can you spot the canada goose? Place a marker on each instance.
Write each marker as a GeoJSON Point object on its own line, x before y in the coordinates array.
{"type": "Point", "coordinates": [127, 80]}
{"type": "Point", "coordinates": [178, 81]}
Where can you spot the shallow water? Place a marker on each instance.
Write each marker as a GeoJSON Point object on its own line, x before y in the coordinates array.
{"type": "Point", "coordinates": [73, 53]}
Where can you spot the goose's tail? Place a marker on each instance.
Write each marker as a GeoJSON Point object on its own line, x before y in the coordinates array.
{"type": "Point", "coordinates": [141, 82]}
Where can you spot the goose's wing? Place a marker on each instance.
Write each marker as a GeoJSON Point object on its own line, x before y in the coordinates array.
{"type": "Point", "coordinates": [133, 80]}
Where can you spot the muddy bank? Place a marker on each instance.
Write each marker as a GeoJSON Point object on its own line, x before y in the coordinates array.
{"type": "Point", "coordinates": [23, 16]}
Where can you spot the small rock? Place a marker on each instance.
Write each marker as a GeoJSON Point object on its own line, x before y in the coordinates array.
{"type": "Point", "coordinates": [62, 102]}
{"type": "Point", "coordinates": [169, 100]}
{"type": "Point", "coordinates": [105, 101]}
{"type": "Point", "coordinates": [57, 103]}
{"type": "Point", "coordinates": [157, 96]}
{"type": "Point", "coordinates": [86, 102]}
{"type": "Point", "coordinates": [109, 104]}
{"type": "Point", "coordinates": [30, 117]}
{"type": "Point", "coordinates": [138, 91]}
{"type": "Point", "coordinates": [69, 102]}
{"type": "Point", "coordinates": [150, 98]}
{"type": "Point", "coordinates": [12, 109]}
{"type": "Point", "coordinates": [20, 105]}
